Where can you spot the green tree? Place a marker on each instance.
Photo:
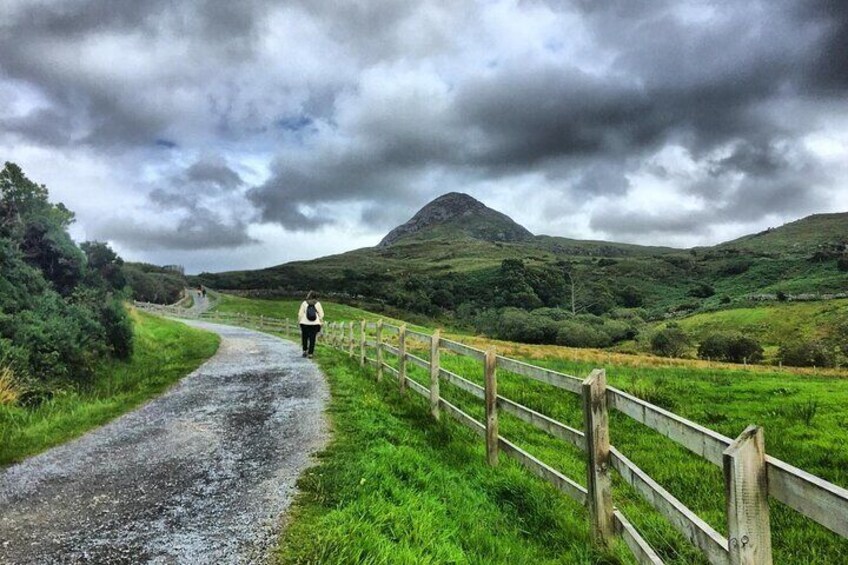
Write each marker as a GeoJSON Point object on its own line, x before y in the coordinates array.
{"type": "Point", "coordinates": [670, 341]}
{"type": "Point", "coordinates": [733, 347]}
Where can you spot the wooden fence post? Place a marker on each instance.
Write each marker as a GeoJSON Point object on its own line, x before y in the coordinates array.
{"type": "Point", "coordinates": [261, 321]}
{"type": "Point", "coordinates": [402, 359]}
{"type": "Point", "coordinates": [434, 374]}
{"type": "Point", "coordinates": [351, 340]}
{"type": "Point", "coordinates": [596, 424]}
{"type": "Point", "coordinates": [362, 328]}
{"type": "Point", "coordinates": [379, 339]}
{"type": "Point", "coordinates": [491, 395]}
{"type": "Point", "coordinates": [746, 489]}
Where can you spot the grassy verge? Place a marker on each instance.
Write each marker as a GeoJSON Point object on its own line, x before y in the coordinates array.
{"type": "Point", "coordinates": [395, 486]}
{"type": "Point", "coordinates": [165, 351]}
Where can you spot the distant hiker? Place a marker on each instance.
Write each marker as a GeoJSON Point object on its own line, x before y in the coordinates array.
{"type": "Point", "coordinates": [310, 317]}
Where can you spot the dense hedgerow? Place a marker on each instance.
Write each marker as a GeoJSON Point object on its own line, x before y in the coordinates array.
{"type": "Point", "coordinates": [60, 304]}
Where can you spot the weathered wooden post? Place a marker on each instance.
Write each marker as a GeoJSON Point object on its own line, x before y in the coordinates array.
{"type": "Point", "coordinates": [491, 395]}
{"type": "Point", "coordinates": [362, 328]}
{"type": "Point", "coordinates": [596, 428]}
{"type": "Point", "coordinates": [746, 490]}
{"type": "Point", "coordinates": [434, 373]}
{"type": "Point", "coordinates": [261, 321]}
{"type": "Point", "coordinates": [379, 338]}
{"type": "Point", "coordinates": [351, 340]}
{"type": "Point", "coordinates": [402, 358]}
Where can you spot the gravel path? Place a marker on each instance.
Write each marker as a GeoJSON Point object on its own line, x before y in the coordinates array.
{"type": "Point", "coordinates": [201, 474]}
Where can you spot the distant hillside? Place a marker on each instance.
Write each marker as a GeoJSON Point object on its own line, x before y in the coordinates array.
{"type": "Point", "coordinates": [459, 215]}
{"type": "Point", "coordinates": [819, 233]}
{"type": "Point", "coordinates": [457, 252]}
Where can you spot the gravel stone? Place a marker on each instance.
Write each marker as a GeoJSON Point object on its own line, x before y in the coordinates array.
{"type": "Point", "coordinates": [202, 474]}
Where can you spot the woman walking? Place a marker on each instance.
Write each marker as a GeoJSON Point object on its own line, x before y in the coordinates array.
{"type": "Point", "coordinates": [310, 318]}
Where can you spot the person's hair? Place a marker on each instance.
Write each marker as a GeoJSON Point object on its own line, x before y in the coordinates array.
{"type": "Point", "coordinates": [312, 295]}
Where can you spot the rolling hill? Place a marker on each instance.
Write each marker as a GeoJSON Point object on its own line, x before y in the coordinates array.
{"type": "Point", "coordinates": [453, 252]}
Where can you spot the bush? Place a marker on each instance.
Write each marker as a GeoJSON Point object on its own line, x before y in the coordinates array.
{"type": "Point", "coordinates": [118, 328]}
{"type": "Point", "coordinates": [630, 297]}
{"type": "Point", "coordinates": [618, 330]}
{"type": "Point", "coordinates": [733, 347]}
{"type": "Point", "coordinates": [702, 290]}
{"type": "Point", "coordinates": [842, 263]}
{"type": "Point", "coordinates": [577, 334]}
{"type": "Point", "coordinates": [806, 354]}
{"type": "Point", "coordinates": [517, 325]}
{"type": "Point", "coordinates": [670, 341]}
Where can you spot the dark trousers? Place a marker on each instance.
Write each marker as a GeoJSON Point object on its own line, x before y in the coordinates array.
{"type": "Point", "coordinates": [308, 333]}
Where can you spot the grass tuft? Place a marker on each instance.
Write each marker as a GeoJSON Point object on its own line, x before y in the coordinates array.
{"type": "Point", "coordinates": [9, 392]}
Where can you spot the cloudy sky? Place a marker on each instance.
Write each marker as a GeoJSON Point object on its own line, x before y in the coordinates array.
{"type": "Point", "coordinates": [225, 135]}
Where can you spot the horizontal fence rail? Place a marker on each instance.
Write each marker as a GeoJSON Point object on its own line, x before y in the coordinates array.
{"type": "Point", "coordinates": [809, 495]}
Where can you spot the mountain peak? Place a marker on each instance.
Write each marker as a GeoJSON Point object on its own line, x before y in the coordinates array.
{"type": "Point", "coordinates": [463, 214]}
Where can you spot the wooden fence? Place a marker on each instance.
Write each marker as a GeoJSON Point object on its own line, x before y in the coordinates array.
{"type": "Point", "coordinates": [750, 475]}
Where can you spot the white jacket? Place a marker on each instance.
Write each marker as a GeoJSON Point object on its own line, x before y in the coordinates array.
{"type": "Point", "coordinates": [301, 315]}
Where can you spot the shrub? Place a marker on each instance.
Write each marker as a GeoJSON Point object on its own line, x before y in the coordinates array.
{"type": "Point", "coordinates": [735, 267]}
{"type": "Point", "coordinates": [630, 297]}
{"type": "Point", "coordinates": [118, 328]}
{"type": "Point", "coordinates": [730, 346]}
{"type": "Point", "coordinates": [842, 263]}
{"type": "Point", "coordinates": [618, 330]}
{"type": "Point", "coordinates": [517, 325]}
{"type": "Point", "coordinates": [670, 341]}
{"type": "Point", "coordinates": [702, 290]}
{"type": "Point", "coordinates": [805, 354]}
{"type": "Point", "coordinates": [577, 334]}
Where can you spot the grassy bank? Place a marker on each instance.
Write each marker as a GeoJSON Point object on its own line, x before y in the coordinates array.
{"type": "Point", "coordinates": [165, 351]}
{"type": "Point", "coordinates": [396, 487]}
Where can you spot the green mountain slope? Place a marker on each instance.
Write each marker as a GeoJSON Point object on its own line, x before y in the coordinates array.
{"type": "Point", "coordinates": [453, 252]}
{"type": "Point", "coordinates": [819, 233]}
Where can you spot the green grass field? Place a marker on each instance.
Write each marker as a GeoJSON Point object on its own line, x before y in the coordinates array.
{"type": "Point", "coordinates": [165, 351]}
{"type": "Point", "coordinates": [804, 416]}
{"type": "Point", "coordinates": [772, 324]}
{"type": "Point", "coordinates": [397, 487]}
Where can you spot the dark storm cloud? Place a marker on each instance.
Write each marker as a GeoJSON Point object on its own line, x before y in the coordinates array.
{"type": "Point", "coordinates": [379, 106]}
{"type": "Point", "coordinates": [50, 45]}
{"type": "Point", "coordinates": [623, 223]}
{"type": "Point", "coordinates": [192, 198]}
{"type": "Point", "coordinates": [214, 173]}
{"type": "Point", "coordinates": [702, 81]}
{"type": "Point", "coordinates": [202, 230]}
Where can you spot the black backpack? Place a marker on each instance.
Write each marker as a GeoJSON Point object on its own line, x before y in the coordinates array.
{"type": "Point", "coordinates": [311, 313]}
